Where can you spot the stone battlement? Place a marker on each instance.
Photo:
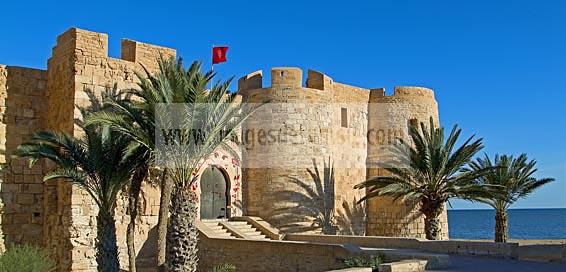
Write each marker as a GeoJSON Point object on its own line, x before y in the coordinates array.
{"type": "Point", "coordinates": [95, 44]}
{"type": "Point", "coordinates": [292, 77]}
{"type": "Point", "coordinates": [402, 92]}
{"type": "Point", "coordinates": [285, 77]}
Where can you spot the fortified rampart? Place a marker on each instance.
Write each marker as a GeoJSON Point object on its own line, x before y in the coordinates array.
{"type": "Point", "coordinates": [333, 125]}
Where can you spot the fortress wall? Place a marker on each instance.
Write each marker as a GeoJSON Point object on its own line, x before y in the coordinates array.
{"type": "Point", "coordinates": [389, 118]}
{"type": "Point", "coordinates": [59, 116]}
{"type": "Point", "coordinates": [349, 153]}
{"type": "Point", "coordinates": [315, 112]}
{"type": "Point", "coordinates": [278, 186]}
{"type": "Point", "coordinates": [22, 104]}
{"type": "Point", "coordinates": [80, 62]}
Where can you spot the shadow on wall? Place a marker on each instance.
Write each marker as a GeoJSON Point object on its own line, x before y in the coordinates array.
{"type": "Point", "coordinates": [310, 203]}
{"type": "Point", "coordinates": [310, 206]}
{"type": "Point", "coordinates": [147, 255]}
{"type": "Point", "coordinates": [352, 218]}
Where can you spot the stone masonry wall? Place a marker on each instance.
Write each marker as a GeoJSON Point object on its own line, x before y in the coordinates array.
{"type": "Point", "coordinates": [278, 186]}
{"type": "Point", "coordinates": [275, 256]}
{"type": "Point", "coordinates": [350, 154]}
{"type": "Point", "coordinates": [389, 118]}
{"type": "Point", "coordinates": [80, 62]}
{"type": "Point", "coordinates": [283, 190]}
{"type": "Point", "coordinates": [22, 104]}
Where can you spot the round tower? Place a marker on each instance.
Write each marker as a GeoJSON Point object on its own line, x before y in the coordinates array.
{"type": "Point", "coordinates": [281, 141]}
{"type": "Point", "coordinates": [389, 118]}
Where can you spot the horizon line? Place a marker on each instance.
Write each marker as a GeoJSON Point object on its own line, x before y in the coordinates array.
{"type": "Point", "coordinates": [476, 209]}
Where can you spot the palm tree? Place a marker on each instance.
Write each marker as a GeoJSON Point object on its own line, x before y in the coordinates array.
{"type": "Point", "coordinates": [510, 180]}
{"type": "Point", "coordinates": [133, 115]}
{"type": "Point", "coordinates": [101, 162]}
{"type": "Point", "coordinates": [205, 124]}
{"type": "Point", "coordinates": [430, 173]}
{"type": "Point", "coordinates": [176, 98]}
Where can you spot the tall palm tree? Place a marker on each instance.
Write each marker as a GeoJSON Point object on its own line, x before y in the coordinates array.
{"type": "Point", "coordinates": [428, 171]}
{"type": "Point", "coordinates": [177, 98]}
{"type": "Point", "coordinates": [101, 162]}
{"type": "Point", "coordinates": [134, 115]}
{"type": "Point", "coordinates": [205, 124]}
{"type": "Point", "coordinates": [511, 179]}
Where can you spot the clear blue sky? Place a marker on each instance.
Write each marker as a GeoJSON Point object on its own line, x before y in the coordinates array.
{"type": "Point", "coordinates": [498, 67]}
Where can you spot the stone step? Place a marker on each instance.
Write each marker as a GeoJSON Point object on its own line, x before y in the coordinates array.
{"type": "Point", "coordinates": [244, 229]}
{"type": "Point", "coordinates": [248, 230]}
{"type": "Point", "coordinates": [253, 233]}
{"type": "Point", "coordinates": [257, 237]}
{"type": "Point", "coordinates": [215, 227]}
{"type": "Point", "coordinates": [238, 223]}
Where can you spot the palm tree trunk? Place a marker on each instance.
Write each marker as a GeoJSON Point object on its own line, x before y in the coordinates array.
{"type": "Point", "coordinates": [182, 235]}
{"type": "Point", "coordinates": [164, 202]}
{"type": "Point", "coordinates": [133, 203]}
{"type": "Point", "coordinates": [106, 247]}
{"type": "Point", "coordinates": [431, 211]}
{"type": "Point", "coordinates": [501, 225]}
{"type": "Point", "coordinates": [432, 227]}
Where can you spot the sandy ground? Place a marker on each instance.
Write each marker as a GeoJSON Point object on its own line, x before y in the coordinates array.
{"type": "Point", "coordinates": [487, 264]}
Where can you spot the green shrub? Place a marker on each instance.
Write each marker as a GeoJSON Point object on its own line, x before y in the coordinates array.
{"type": "Point", "coordinates": [372, 261]}
{"type": "Point", "coordinates": [25, 259]}
{"type": "Point", "coordinates": [224, 268]}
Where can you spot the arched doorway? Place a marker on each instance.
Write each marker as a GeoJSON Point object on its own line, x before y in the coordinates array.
{"type": "Point", "coordinates": [214, 197]}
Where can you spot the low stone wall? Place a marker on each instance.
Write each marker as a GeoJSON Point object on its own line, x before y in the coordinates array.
{"type": "Point", "coordinates": [542, 252]}
{"type": "Point", "coordinates": [460, 247]}
{"type": "Point", "coordinates": [260, 255]}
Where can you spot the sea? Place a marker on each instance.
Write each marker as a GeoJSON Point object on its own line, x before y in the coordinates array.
{"type": "Point", "coordinates": [537, 224]}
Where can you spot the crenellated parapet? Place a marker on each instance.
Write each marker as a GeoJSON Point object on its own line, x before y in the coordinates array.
{"type": "Point", "coordinates": [251, 81]}
{"type": "Point", "coordinates": [318, 80]}
{"type": "Point", "coordinates": [95, 45]}
{"type": "Point", "coordinates": [281, 77]}
{"type": "Point", "coordinates": [289, 77]}
{"type": "Point", "coordinates": [143, 53]}
{"type": "Point", "coordinates": [402, 92]}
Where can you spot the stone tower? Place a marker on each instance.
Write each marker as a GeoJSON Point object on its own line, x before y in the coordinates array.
{"type": "Point", "coordinates": [389, 118]}
{"type": "Point", "coordinates": [318, 153]}
{"type": "Point", "coordinates": [57, 215]}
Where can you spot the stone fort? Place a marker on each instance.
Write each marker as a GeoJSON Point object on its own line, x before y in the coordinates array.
{"type": "Point", "coordinates": [299, 185]}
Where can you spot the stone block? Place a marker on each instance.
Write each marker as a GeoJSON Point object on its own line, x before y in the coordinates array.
{"type": "Point", "coordinates": [403, 266]}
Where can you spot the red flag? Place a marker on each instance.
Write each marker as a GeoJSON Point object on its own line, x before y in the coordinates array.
{"type": "Point", "coordinates": [219, 54]}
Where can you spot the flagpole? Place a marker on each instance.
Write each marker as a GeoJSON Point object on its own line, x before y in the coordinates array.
{"type": "Point", "coordinates": [212, 68]}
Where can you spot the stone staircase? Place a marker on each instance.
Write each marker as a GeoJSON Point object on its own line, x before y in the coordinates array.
{"type": "Point", "coordinates": [217, 229]}
{"type": "Point", "coordinates": [234, 229]}
{"type": "Point", "coordinates": [249, 231]}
